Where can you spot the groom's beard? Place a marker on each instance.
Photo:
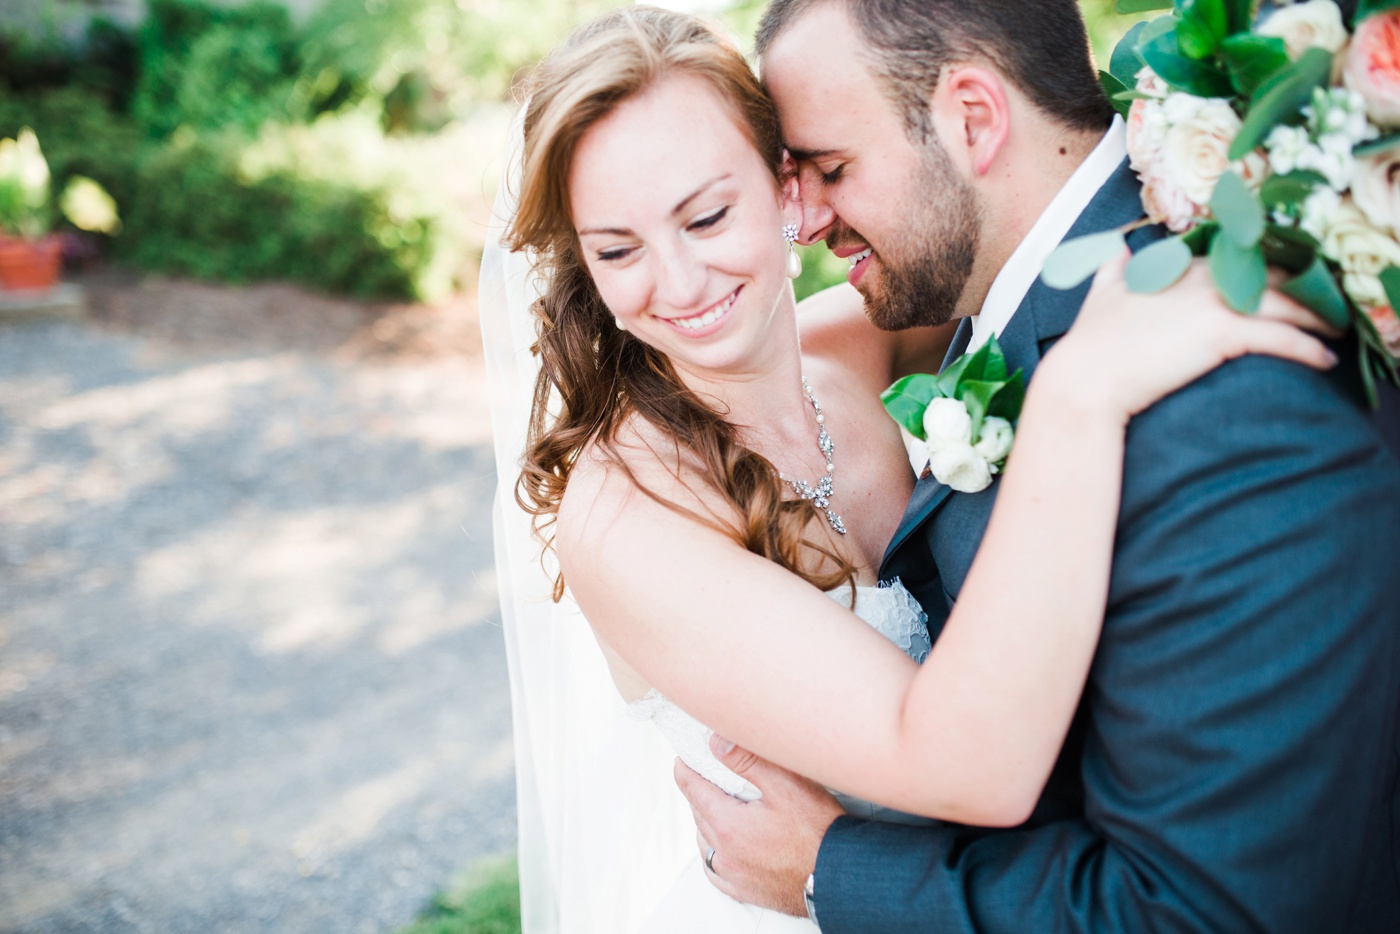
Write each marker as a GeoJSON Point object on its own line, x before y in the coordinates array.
{"type": "Point", "coordinates": [924, 272]}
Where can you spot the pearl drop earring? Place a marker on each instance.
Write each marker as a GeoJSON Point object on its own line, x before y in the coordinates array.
{"type": "Point", "coordinates": [794, 262]}
{"type": "Point", "coordinates": [618, 321]}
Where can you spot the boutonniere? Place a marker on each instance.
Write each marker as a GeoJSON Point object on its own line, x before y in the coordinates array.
{"type": "Point", "coordinates": [966, 415]}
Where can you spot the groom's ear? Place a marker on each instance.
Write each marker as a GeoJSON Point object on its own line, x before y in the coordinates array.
{"type": "Point", "coordinates": [972, 113]}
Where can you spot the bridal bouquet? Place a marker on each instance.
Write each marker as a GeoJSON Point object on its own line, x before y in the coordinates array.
{"type": "Point", "coordinates": [1274, 142]}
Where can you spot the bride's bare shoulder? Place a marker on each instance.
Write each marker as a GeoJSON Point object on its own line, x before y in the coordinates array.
{"type": "Point", "coordinates": [634, 475]}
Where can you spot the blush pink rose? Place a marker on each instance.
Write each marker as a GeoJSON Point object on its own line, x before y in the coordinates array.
{"type": "Point", "coordinates": [1388, 324]}
{"type": "Point", "coordinates": [1372, 66]}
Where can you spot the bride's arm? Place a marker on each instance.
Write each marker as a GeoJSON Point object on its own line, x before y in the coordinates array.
{"type": "Point", "coordinates": [784, 671]}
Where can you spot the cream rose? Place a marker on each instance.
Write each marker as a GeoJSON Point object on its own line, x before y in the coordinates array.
{"type": "Point", "coordinates": [1362, 251]}
{"type": "Point", "coordinates": [962, 468]}
{"type": "Point", "coordinates": [1179, 177]}
{"type": "Point", "coordinates": [1372, 66]}
{"type": "Point", "coordinates": [1304, 25]}
{"type": "Point", "coordinates": [1376, 189]}
{"type": "Point", "coordinates": [995, 442]}
{"type": "Point", "coordinates": [946, 422]}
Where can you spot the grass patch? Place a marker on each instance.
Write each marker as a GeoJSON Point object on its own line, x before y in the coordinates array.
{"type": "Point", "coordinates": [483, 900]}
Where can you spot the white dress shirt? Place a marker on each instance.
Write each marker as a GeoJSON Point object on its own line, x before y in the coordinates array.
{"type": "Point", "coordinates": [1023, 268]}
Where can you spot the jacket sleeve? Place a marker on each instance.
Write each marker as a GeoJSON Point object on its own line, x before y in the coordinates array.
{"type": "Point", "coordinates": [1240, 721]}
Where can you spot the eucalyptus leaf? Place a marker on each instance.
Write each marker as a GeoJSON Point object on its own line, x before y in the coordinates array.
{"type": "Point", "coordinates": [1129, 97]}
{"type": "Point", "coordinates": [1383, 144]}
{"type": "Point", "coordinates": [1290, 189]}
{"type": "Point", "coordinates": [1252, 60]}
{"type": "Point", "coordinates": [1076, 260]}
{"type": "Point", "coordinates": [1316, 288]}
{"type": "Point", "coordinates": [1281, 98]}
{"type": "Point", "coordinates": [1126, 61]}
{"type": "Point", "coordinates": [977, 396]}
{"type": "Point", "coordinates": [1124, 7]}
{"type": "Point", "coordinates": [1238, 210]}
{"type": "Point", "coordinates": [1239, 273]}
{"type": "Point", "coordinates": [995, 367]}
{"type": "Point", "coordinates": [1155, 267]}
{"type": "Point", "coordinates": [1113, 88]}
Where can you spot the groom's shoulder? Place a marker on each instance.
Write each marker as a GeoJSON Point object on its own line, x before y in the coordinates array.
{"type": "Point", "coordinates": [1261, 412]}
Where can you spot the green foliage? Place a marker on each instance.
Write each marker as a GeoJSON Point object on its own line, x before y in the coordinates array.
{"type": "Point", "coordinates": [484, 901]}
{"type": "Point", "coordinates": [1316, 287]}
{"type": "Point", "coordinates": [1238, 210]}
{"type": "Point", "coordinates": [1281, 98]}
{"type": "Point", "coordinates": [200, 212]}
{"type": "Point", "coordinates": [982, 381]}
{"type": "Point", "coordinates": [821, 269]}
{"type": "Point", "coordinates": [1076, 260]}
{"type": "Point", "coordinates": [212, 67]}
{"type": "Point", "coordinates": [1158, 266]}
{"type": "Point", "coordinates": [1239, 273]}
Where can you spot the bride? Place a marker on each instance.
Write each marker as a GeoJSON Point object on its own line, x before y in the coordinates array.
{"type": "Point", "coordinates": [717, 476]}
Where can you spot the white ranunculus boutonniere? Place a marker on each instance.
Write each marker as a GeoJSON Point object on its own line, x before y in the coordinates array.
{"type": "Point", "coordinates": [966, 415]}
{"type": "Point", "coordinates": [1274, 143]}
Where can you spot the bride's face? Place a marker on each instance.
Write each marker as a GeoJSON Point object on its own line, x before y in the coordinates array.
{"type": "Point", "coordinates": [680, 225]}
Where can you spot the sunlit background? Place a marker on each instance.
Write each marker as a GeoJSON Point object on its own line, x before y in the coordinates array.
{"type": "Point", "coordinates": [251, 675]}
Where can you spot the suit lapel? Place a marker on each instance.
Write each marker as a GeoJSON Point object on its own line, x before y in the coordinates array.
{"type": "Point", "coordinates": [1042, 317]}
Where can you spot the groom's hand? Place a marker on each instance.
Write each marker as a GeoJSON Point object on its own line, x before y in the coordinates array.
{"type": "Point", "coordinates": [765, 849]}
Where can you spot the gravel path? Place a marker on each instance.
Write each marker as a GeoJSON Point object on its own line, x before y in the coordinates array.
{"type": "Point", "coordinates": [251, 674]}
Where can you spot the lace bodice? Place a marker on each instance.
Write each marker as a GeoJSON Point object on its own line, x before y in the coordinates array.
{"type": "Point", "coordinates": [890, 610]}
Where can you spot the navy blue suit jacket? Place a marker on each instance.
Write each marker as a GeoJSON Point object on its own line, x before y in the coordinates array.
{"type": "Point", "coordinates": [1235, 762]}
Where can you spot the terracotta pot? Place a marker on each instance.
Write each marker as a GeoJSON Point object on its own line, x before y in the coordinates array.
{"type": "Point", "coordinates": [30, 264]}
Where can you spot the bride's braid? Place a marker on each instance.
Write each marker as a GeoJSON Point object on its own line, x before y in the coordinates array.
{"type": "Point", "coordinates": [593, 376]}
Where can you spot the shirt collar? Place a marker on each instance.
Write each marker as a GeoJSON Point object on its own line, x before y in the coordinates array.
{"type": "Point", "coordinates": [1010, 286]}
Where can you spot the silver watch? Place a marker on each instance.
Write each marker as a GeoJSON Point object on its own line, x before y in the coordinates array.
{"type": "Point", "coordinates": [809, 898]}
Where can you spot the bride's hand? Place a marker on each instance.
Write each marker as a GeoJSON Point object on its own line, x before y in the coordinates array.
{"type": "Point", "coordinates": [1127, 349]}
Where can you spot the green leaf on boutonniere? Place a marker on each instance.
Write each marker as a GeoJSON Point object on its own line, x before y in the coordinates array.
{"type": "Point", "coordinates": [1281, 98]}
{"type": "Point", "coordinates": [1239, 273]}
{"type": "Point", "coordinates": [1112, 87]}
{"type": "Point", "coordinates": [1155, 267]}
{"type": "Point", "coordinates": [1288, 190]}
{"type": "Point", "coordinates": [1163, 53]}
{"type": "Point", "coordinates": [907, 399]}
{"type": "Point", "coordinates": [1007, 402]}
{"type": "Point", "coordinates": [1316, 288]}
{"type": "Point", "coordinates": [1253, 59]}
{"type": "Point", "coordinates": [1384, 144]}
{"type": "Point", "coordinates": [977, 396]}
{"type": "Point", "coordinates": [1076, 260]}
{"type": "Point", "coordinates": [1371, 7]}
{"type": "Point", "coordinates": [1126, 61]}
{"type": "Point", "coordinates": [1239, 212]}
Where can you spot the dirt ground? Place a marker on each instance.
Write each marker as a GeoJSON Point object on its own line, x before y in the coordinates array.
{"type": "Point", "coordinates": [251, 674]}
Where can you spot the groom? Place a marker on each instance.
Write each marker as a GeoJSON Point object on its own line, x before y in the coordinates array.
{"type": "Point", "coordinates": [1235, 764]}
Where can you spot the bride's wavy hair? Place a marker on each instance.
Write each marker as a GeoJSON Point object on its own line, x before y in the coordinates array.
{"type": "Point", "coordinates": [594, 377]}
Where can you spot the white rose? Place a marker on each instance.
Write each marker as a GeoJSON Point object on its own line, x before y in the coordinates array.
{"type": "Point", "coordinates": [1286, 145]}
{"type": "Point", "coordinates": [1376, 189]}
{"type": "Point", "coordinates": [1304, 25]}
{"type": "Point", "coordinates": [946, 422]}
{"type": "Point", "coordinates": [995, 442]}
{"type": "Point", "coordinates": [1147, 131]}
{"type": "Point", "coordinates": [1196, 151]}
{"type": "Point", "coordinates": [1319, 211]}
{"type": "Point", "coordinates": [1149, 82]}
{"type": "Point", "coordinates": [962, 468]}
{"type": "Point", "coordinates": [1362, 251]}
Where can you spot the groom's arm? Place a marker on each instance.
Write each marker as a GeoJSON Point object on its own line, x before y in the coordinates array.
{"type": "Point", "coordinates": [1241, 734]}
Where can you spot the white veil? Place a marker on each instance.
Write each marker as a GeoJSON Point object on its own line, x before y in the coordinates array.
{"type": "Point", "coordinates": [603, 830]}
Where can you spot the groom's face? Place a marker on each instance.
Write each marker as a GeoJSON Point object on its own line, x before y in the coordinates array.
{"type": "Point", "coordinates": [899, 210]}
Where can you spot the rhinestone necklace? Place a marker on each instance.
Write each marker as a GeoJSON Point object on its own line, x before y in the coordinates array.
{"type": "Point", "coordinates": [820, 495]}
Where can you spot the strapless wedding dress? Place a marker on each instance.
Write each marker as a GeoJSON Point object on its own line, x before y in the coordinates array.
{"type": "Point", "coordinates": [693, 905]}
